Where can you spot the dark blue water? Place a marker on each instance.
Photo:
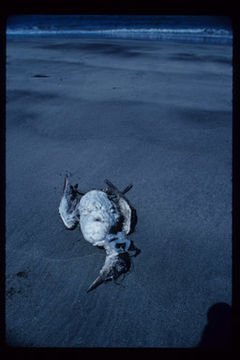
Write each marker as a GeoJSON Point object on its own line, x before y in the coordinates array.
{"type": "Point", "coordinates": [211, 29]}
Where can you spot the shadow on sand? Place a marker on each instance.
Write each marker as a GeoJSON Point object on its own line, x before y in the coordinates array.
{"type": "Point", "coordinates": [217, 332]}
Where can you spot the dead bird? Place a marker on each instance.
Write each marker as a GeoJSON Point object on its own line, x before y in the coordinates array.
{"type": "Point", "coordinates": [106, 218]}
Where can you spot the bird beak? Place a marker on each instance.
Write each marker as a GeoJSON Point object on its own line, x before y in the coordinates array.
{"type": "Point", "coordinates": [65, 183]}
{"type": "Point", "coordinates": [99, 280]}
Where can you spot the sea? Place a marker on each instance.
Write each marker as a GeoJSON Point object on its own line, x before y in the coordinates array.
{"type": "Point", "coordinates": [183, 28]}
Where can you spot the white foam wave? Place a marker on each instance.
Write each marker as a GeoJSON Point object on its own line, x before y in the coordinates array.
{"type": "Point", "coordinates": [148, 33]}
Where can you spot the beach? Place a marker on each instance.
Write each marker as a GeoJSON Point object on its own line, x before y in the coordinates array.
{"type": "Point", "coordinates": [154, 114]}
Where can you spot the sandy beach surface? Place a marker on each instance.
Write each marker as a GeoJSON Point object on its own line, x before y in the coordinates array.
{"type": "Point", "coordinates": [154, 114]}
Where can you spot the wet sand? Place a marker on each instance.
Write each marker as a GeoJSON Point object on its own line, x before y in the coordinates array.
{"type": "Point", "coordinates": [154, 114]}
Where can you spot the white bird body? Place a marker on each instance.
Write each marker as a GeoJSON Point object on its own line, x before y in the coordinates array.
{"type": "Point", "coordinates": [104, 222]}
{"type": "Point", "coordinates": [97, 215]}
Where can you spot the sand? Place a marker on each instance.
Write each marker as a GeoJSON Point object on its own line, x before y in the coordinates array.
{"type": "Point", "coordinates": [154, 114]}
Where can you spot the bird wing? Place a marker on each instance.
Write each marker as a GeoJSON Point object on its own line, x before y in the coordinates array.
{"type": "Point", "coordinates": [126, 209]}
{"type": "Point", "coordinates": [68, 207]}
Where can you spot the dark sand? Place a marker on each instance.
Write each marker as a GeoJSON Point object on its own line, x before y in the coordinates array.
{"type": "Point", "coordinates": [155, 114]}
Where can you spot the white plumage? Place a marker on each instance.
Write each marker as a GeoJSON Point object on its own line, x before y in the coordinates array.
{"type": "Point", "coordinates": [106, 218]}
{"type": "Point", "coordinates": [97, 215]}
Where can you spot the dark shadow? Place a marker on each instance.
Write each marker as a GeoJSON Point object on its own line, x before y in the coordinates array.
{"type": "Point", "coordinates": [40, 76]}
{"type": "Point", "coordinates": [34, 95]}
{"type": "Point", "coordinates": [210, 119]}
{"type": "Point", "coordinates": [198, 58]}
{"type": "Point", "coordinates": [102, 48]}
{"type": "Point", "coordinates": [217, 332]}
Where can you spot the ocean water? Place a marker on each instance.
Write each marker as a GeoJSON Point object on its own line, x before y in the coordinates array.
{"type": "Point", "coordinates": [210, 29]}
